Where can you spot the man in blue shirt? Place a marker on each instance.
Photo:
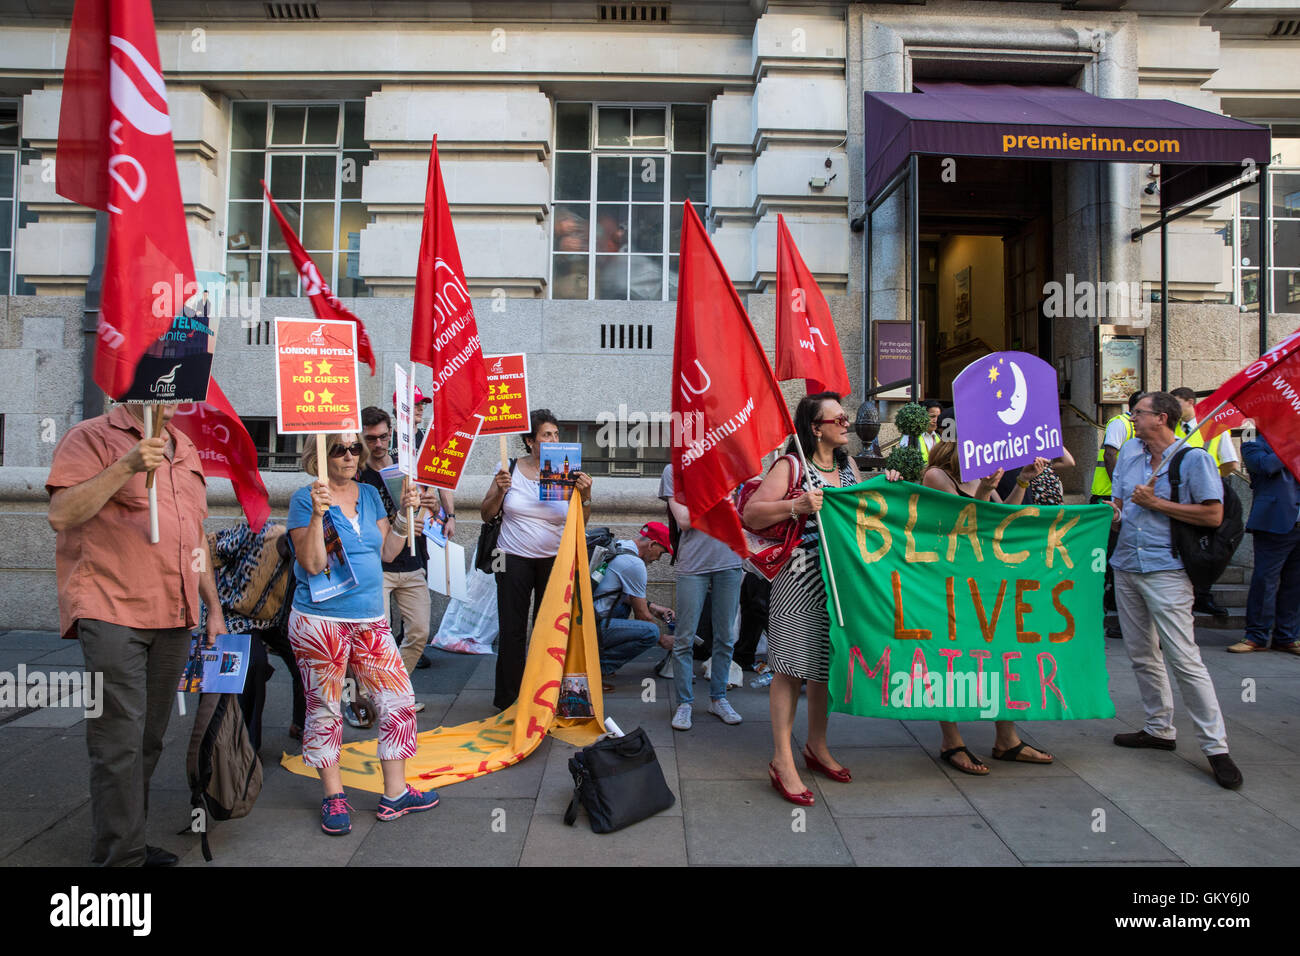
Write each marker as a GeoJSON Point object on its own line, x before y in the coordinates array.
{"type": "Point", "coordinates": [1153, 592]}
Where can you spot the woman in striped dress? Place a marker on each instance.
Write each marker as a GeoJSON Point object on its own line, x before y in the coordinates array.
{"type": "Point", "coordinates": [798, 631]}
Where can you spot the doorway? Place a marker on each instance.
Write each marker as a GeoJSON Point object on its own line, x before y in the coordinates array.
{"type": "Point", "coordinates": [985, 254]}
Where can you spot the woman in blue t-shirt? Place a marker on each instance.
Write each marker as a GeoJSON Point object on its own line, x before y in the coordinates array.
{"type": "Point", "coordinates": [334, 526]}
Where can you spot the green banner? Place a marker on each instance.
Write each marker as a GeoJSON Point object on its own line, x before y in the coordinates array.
{"type": "Point", "coordinates": [956, 609]}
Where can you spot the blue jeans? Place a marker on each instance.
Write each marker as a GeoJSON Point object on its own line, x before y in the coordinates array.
{"type": "Point", "coordinates": [1273, 604]}
{"type": "Point", "coordinates": [691, 592]}
{"type": "Point", "coordinates": [623, 638]}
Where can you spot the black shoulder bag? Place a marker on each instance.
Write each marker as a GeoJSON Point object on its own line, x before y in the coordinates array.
{"type": "Point", "coordinates": [619, 782]}
{"type": "Point", "coordinates": [1205, 552]}
{"type": "Point", "coordinates": [485, 550]}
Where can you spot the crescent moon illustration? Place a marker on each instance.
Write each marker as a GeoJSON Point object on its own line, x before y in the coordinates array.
{"type": "Point", "coordinates": [1019, 398]}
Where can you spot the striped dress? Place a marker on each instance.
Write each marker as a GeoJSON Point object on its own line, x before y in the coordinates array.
{"type": "Point", "coordinates": [799, 627]}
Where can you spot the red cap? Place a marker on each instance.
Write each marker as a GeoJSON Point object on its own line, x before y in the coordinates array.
{"type": "Point", "coordinates": [657, 532]}
{"type": "Point", "coordinates": [419, 397]}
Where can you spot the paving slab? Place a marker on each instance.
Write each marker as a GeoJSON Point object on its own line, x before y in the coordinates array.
{"type": "Point", "coordinates": [889, 782]}
{"type": "Point", "coordinates": [714, 751]}
{"type": "Point", "coordinates": [64, 844]}
{"type": "Point", "coordinates": [53, 775]}
{"type": "Point", "coordinates": [1226, 830]}
{"type": "Point", "coordinates": [745, 822]}
{"type": "Point", "coordinates": [1275, 788]}
{"type": "Point", "coordinates": [657, 841]}
{"type": "Point", "coordinates": [846, 730]}
{"type": "Point", "coordinates": [68, 654]}
{"type": "Point", "coordinates": [964, 840]}
{"type": "Point", "coordinates": [470, 832]}
{"type": "Point", "coordinates": [18, 740]}
{"type": "Point", "coordinates": [1052, 820]}
{"type": "Point", "coordinates": [1131, 774]}
{"type": "Point", "coordinates": [35, 640]}
{"type": "Point", "coordinates": [269, 837]}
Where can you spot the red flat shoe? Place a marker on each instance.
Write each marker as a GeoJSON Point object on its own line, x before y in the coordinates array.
{"type": "Point", "coordinates": [804, 799]}
{"type": "Point", "coordinates": [812, 763]}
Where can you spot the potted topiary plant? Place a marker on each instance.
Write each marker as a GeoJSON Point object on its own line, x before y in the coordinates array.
{"type": "Point", "coordinates": [912, 419]}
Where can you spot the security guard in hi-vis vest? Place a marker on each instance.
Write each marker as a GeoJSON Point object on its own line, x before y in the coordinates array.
{"type": "Point", "coordinates": [1224, 453]}
{"type": "Point", "coordinates": [1118, 430]}
{"type": "Point", "coordinates": [930, 437]}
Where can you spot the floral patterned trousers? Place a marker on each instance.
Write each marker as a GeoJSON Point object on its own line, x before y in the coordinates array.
{"type": "Point", "coordinates": [324, 650]}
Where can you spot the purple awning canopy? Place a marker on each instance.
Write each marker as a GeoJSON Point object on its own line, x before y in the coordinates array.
{"type": "Point", "coordinates": [1059, 122]}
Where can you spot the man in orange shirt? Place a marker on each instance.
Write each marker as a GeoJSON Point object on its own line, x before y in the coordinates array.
{"type": "Point", "coordinates": [130, 603]}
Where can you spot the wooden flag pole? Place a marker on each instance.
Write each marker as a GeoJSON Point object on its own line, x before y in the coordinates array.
{"type": "Point", "coordinates": [153, 424]}
{"type": "Point", "coordinates": [505, 452]}
{"type": "Point", "coordinates": [322, 453]}
{"type": "Point", "coordinates": [826, 553]}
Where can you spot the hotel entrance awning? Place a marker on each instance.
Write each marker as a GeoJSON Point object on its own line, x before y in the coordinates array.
{"type": "Point", "coordinates": [1059, 122]}
{"type": "Point", "coordinates": [1198, 152]}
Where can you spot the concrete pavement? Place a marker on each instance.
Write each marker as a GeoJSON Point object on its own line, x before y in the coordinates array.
{"type": "Point", "coordinates": [1098, 804]}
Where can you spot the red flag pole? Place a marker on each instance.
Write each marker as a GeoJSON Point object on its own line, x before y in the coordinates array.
{"type": "Point", "coordinates": [1178, 445]}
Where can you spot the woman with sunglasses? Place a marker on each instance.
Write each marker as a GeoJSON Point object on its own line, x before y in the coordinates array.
{"type": "Point", "coordinates": [798, 630]}
{"type": "Point", "coordinates": [350, 628]}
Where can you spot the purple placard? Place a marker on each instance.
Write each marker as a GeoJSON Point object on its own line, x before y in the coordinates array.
{"type": "Point", "coordinates": [1007, 413]}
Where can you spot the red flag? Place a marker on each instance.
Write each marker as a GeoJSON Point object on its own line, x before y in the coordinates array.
{"type": "Point", "coordinates": [806, 344]}
{"type": "Point", "coordinates": [115, 153]}
{"type": "Point", "coordinates": [226, 450]}
{"type": "Point", "coordinates": [728, 410]}
{"type": "Point", "coordinates": [444, 333]}
{"type": "Point", "coordinates": [324, 302]}
{"type": "Point", "coordinates": [1267, 391]}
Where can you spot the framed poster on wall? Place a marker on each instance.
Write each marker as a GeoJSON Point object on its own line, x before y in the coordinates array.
{"type": "Point", "coordinates": [961, 305]}
{"type": "Point", "coordinates": [1121, 363]}
{"type": "Point", "coordinates": [891, 356]}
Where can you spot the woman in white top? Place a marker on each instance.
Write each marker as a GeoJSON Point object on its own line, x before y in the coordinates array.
{"type": "Point", "coordinates": [529, 540]}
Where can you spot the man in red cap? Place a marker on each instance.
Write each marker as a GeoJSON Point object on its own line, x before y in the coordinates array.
{"type": "Point", "coordinates": [627, 624]}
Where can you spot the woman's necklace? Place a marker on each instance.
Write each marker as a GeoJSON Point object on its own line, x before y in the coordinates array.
{"type": "Point", "coordinates": [818, 465]}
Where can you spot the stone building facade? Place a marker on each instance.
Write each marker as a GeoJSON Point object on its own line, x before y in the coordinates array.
{"type": "Point", "coordinates": [748, 108]}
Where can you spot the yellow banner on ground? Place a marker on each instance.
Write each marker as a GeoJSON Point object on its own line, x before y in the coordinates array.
{"type": "Point", "coordinates": [563, 645]}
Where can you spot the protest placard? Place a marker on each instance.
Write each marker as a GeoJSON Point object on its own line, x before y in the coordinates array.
{"type": "Point", "coordinates": [505, 412]}
{"type": "Point", "coordinates": [1007, 413]}
{"type": "Point", "coordinates": [316, 379]}
{"type": "Point", "coordinates": [957, 609]}
{"type": "Point", "coordinates": [442, 467]}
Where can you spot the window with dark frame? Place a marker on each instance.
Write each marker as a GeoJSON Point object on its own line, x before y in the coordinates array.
{"type": "Point", "coordinates": [312, 157]}
{"type": "Point", "coordinates": [622, 174]}
{"type": "Point", "coordinates": [275, 452]}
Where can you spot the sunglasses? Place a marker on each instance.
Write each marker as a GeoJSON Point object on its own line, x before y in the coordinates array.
{"type": "Point", "coordinates": [842, 420]}
{"type": "Point", "coordinates": [383, 438]}
{"type": "Point", "coordinates": [338, 449]}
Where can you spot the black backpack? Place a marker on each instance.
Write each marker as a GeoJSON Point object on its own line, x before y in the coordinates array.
{"type": "Point", "coordinates": [1204, 551]}
{"type": "Point", "coordinates": [225, 773]}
